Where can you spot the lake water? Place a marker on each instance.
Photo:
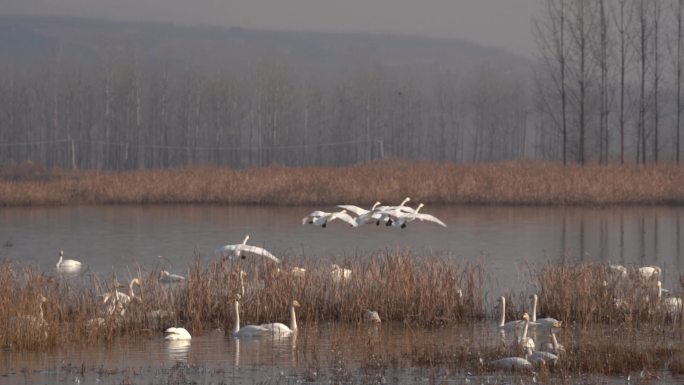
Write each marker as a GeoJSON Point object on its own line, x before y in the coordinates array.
{"type": "Point", "coordinates": [119, 239]}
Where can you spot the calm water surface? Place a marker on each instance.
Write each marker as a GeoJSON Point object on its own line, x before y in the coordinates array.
{"type": "Point", "coordinates": [119, 239]}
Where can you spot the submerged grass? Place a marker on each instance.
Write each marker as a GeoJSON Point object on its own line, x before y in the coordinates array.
{"type": "Point", "coordinates": [524, 183]}
{"type": "Point", "coordinates": [435, 292]}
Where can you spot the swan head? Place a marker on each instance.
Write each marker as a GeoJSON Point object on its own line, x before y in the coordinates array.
{"type": "Point", "coordinates": [42, 299]}
{"type": "Point", "coordinates": [557, 325]}
{"type": "Point", "coordinates": [61, 253]}
{"type": "Point", "coordinates": [135, 281]}
{"type": "Point", "coordinates": [376, 204]}
{"type": "Point", "coordinates": [406, 200]}
{"type": "Point", "coordinates": [526, 317]}
{"type": "Point", "coordinates": [659, 284]}
{"type": "Point", "coordinates": [295, 303]}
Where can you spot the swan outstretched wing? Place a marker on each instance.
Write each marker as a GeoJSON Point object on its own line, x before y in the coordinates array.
{"type": "Point", "coordinates": [431, 218]}
{"type": "Point", "coordinates": [355, 209]}
{"type": "Point", "coordinates": [259, 251]}
{"type": "Point", "coordinates": [344, 217]}
{"type": "Point", "coordinates": [313, 216]}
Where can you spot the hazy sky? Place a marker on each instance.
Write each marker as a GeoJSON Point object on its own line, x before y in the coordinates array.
{"type": "Point", "coordinates": [501, 23]}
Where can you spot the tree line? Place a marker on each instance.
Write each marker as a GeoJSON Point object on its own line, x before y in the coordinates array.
{"type": "Point", "coordinates": [608, 84]}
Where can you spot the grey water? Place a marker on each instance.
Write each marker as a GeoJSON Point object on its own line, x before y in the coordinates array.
{"type": "Point", "coordinates": [121, 239]}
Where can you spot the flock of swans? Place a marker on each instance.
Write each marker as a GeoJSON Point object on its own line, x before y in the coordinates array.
{"type": "Point", "coordinates": [397, 216]}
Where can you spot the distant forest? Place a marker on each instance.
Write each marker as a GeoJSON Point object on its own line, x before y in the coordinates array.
{"type": "Point", "coordinates": [604, 87]}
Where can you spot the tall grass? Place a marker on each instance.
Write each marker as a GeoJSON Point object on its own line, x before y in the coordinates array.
{"type": "Point", "coordinates": [524, 183]}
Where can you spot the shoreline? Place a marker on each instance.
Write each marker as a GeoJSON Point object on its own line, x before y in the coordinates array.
{"type": "Point", "coordinates": [504, 183]}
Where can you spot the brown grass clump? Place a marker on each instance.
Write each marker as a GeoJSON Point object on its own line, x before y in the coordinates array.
{"type": "Point", "coordinates": [522, 183]}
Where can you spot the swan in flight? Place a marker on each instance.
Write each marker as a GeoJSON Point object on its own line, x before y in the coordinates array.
{"type": "Point", "coordinates": [249, 330]}
{"type": "Point", "coordinates": [507, 326]}
{"type": "Point", "coordinates": [67, 265]}
{"type": "Point", "coordinates": [403, 218]}
{"type": "Point", "coordinates": [321, 218]}
{"type": "Point", "coordinates": [236, 251]}
{"type": "Point", "coordinates": [339, 274]}
{"type": "Point", "coordinates": [546, 322]}
{"type": "Point", "coordinates": [282, 330]}
{"type": "Point", "coordinates": [363, 216]}
{"type": "Point", "coordinates": [175, 334]}
{"type": "Point", "coordinates": [166, 277]}
{"type": "Point", "coordinates": [371, 316]}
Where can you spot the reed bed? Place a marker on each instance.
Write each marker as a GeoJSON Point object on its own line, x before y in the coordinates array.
{"type": "Point", "coordinates": [436, 291]}
{"type": "Point", "coordinates": [515, 183]}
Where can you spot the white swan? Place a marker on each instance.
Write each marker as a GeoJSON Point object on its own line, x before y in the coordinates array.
{"type": "Point", "coordinates": [282, 330]}
{"type": "Point", "coordinates": [671, 305]}
{"type": "Point", "coordinates": [371, 316]}
{"type": "Point", "coordinates": [403, 218]}
{"type": "Point", "coordinates": [166, 277]}
{"type": "Point", "coordinates": [249, 330]}
{"type": "Point", "coordinates": [117, 301]}
{"type": "Point", "coordinates": [67, 265]}
{"type": "Point", "coordinates": [524, 341]}
{"type": "Point", "coordinates": [648, 272]}
{"type": "Point", "coordinates": [363, 216]}
{"type": "Point", "coordinates": [339, 274]}
{"type": "Point", "coordinates": [546, 322]}
{"type": "Point", "coordinates": [553, 346]}
{"type": "Point", "coordinates": [503, 325]}
{"type": "Point", "coordinates": [618, 271]}
{"type": "Point", "coordinates": [540, 357]}
{"type": "Point", "coordinates": [511, 363]}
{"type": "Point", "coordinates": [238, 250]}
{"type": "Point", "coordinates": [382, 213]}
{"type": "Point", "coordinates": [175, 334]}
{"type": "Point", "coordinates": [31, 321]}
{"type": "Point", "coordinates": [321, 218]}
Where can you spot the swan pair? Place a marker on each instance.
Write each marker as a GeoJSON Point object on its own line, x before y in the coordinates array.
{"type": "Point", "coordinates": [275, 329]}
{"type": "Point", "coordinates": [117, 301]}
{"type": "Point", "coordinates": [339, 274]}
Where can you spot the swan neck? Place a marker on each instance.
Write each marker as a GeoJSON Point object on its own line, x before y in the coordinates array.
{"type": "Point", "coordinates": [293, 318]}
{"type": "Point", "coordinates": [60, 261]}
{"type": "Point", "coordinates": [242, 285]}
{"type": "Point", "coordinates": [524, 335]}
{"type": "Point", "coordinates": [245, 241]}
{"type": "Point", "coordinates": [503, 312]}
{"type": "Point", "coordinates": [554, 341]}
{"type": "Point", "coordinates": [237, 317]}
{"type": "Point", "coordinates": [41, 312]}
{"type": "Point", "coordinates": [534, 308]}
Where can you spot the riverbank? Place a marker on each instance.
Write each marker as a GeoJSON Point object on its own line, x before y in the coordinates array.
{"type": "Point", "coordinates": [506, 183]}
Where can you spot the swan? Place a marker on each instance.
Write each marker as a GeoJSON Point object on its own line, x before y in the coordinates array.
{"type": "Point", "coordinates": [524, 341]}
{"type": "Point", "coordinates": [31, 321]}
{"type": "Point", "coordinates": [363, 216]}
{"type": "Point", "coordinates": [166, 277]}
{"type": "Point", "coordinates": [553, 346]}
{"type": "Point", "coordinates": [117, 301]}
{"type": "Point", "coordinates": [321, 218]}
{"type": "Point", "coordinates": [403, 218]}
{"type": "Point", "coordinates": [503, 325]}
{"type": "Point", "coordinates": [540, 357]}
{"type": "Point", "coordinates": [283, 330]}
{"type": "Point", "coordinates": [249, 330]}
{"type": "Point", "coordinates": [295, 271]}
{"type": "Point", "coordinates": [382, 213]}
{"type": "Point", "coordinates": [371, 316]}
{"type": "Point", "coordinates": [358, 210]}
{"type": "Point", "coordinates": [546, 322]}
{"type": "Point", "coordinates": [648, 272]}
{"type": "Point", "coordinates": [243, 247]}
{"type": "Point", "coordinates": [175, 334]}
{"type": "Point", "coordinates": [671, 305]}
{"type": "Point", "coordinates": [618, 271]}
{"type": "Point", "coordinates": [339, 274]}
{"type": "Point", "coordinates": [67, 265]}
{"type": "Point", "coordinates": [511, 363]}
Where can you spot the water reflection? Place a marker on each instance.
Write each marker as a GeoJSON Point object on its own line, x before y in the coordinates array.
{"type": "Point", "coordinates": [177, 350]}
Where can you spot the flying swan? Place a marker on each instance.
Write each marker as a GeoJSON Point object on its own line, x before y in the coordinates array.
{"type": "Point", "coordinates": [239, 249]}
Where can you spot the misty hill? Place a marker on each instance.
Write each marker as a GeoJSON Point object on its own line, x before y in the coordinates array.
{"type": "Point", "coordinates": [83, 42]}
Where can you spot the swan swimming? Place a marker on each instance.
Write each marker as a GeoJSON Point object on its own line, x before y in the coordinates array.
{"type": "Point", "coordinates": [503, 325]}
{"type": "Point", "coordinates": [546, 322]}
{"type": "Point", "coordinates": [282, 330]}
{"type": "Point", "coordinates": [67, 265]}
{"type": "Point", "coordinates": [248, 330]}
{"type": "Point", "coordinates": [239, 249]}
{"type": "Point", "coordinates": [176, 334]}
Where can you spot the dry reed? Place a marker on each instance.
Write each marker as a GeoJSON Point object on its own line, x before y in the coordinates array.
{"type": "Point", "coordinates": [521, 183]}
